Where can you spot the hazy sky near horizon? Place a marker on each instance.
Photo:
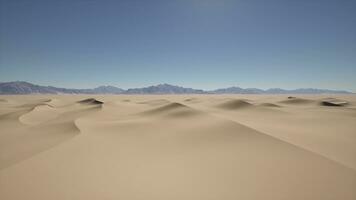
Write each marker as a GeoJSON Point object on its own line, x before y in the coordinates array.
{"type": "Point", "coordinates": [197, 43]}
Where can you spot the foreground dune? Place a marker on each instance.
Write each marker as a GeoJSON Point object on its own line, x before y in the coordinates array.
{"type": "Point", "coordinates": [178, 147]}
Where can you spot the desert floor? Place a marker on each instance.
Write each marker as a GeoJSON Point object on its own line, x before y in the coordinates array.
{"type": "Point", "coordinates": [177, 147]}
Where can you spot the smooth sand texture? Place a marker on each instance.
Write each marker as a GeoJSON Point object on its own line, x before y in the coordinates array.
{"type": "Point", "coordinates": [159, 147]}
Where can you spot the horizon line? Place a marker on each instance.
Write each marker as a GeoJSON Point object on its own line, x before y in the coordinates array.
{"type": "Point", "coordinates": [176, 85]}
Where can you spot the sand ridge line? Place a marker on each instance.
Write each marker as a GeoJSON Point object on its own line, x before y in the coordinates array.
{"type": "Point", "coordinates": [281, 140]}
{"type": "Point", "coordinates": [42, 113]}
{"type": "Point", "coordinates": [46, 131]}
{"type": "Point", "coordinates": [234, 104]}
{"type": "Point", "coordinates": [226, 117]}
{"type": "Point", "coordinates": [172, 109]}
{"type": "Point", "coordinates": [270, 105]}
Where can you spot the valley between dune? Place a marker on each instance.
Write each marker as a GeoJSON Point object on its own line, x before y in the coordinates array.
{"type": "Point", "coordinates": [159, 147]}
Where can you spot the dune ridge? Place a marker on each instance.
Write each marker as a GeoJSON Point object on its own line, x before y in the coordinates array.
{"type": "Point", "coordinates": [155, 102]}
{"type": "Point", "coordinates": [270, 105]}
{"type": "Point", "coordinates": [49, 126]}
{"type": "Point", "coordinates": [173, 109]}
{"type": "Point", "coordinates": [334, 102]}
{"type": "Point", "coordinates": [234, 104]}
{"type": "Point", "coordinates": [38, 114]}
{"type": "Point", "coordinates": [90, 101]}
{"type": "Point", "coordinates": [297, 101]}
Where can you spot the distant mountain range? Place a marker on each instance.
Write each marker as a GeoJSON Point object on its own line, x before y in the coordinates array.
{"type": "Point", "coordinates": [238, 90]}
{"type": "Point", "coordinates": [20, 87]}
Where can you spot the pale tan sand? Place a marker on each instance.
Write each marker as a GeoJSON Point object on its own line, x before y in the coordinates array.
{"type": "Point", "coordinates": [177, 147]}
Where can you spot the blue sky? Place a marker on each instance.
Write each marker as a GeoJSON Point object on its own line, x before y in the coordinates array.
{"type": "Point", "coordinates": [197, 43]}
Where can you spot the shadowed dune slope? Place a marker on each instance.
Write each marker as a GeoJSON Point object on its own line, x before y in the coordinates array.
{"type": "Point", "coordinates": [172, 110]}
{"type": "Point", "coordinates": [234, 104]}
{"type": "Point", "coordinates": [334, 102]}
{"type": "Point", "coordinates": [90, 101]}
{"type": "Point", "coordinates": [192, 100]}
{"type": "Point", "coordinates": [270, 105]}
{"type": "Point", "coordinates": [155, 102]}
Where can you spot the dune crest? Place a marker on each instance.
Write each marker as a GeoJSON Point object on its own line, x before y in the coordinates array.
{"type": "Point", "coordinates": [334, 102]}
{"type": "Point", "coordinates": [296, 101]}
{"type": "Point", "coordinates": [270, 105]}
{"type": "Point", "coordinates": [234, 104]}
{"type": "Point", "coordinates": [155, 102]}
{"type": "Point", "coordinates": [90, 101]}
{"type": "Point", "coordinates": [48, 127]}
{"type": "Point", "coordinates": [172, 110]}
{"type": "Point", "coordinates": [39, 114]}
{"type": "Point", "coordinates": [192, 100]}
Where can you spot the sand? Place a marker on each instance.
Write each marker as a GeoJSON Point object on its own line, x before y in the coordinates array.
{"type": "Point", "coordinates": [192, 147]}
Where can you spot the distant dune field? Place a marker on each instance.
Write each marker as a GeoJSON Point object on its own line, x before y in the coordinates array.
{"type": "Point", "coordinates": [181, 147]}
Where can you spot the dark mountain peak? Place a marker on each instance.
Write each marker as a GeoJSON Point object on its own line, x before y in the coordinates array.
{"type": "Point", "coordinates": [22, 87]}
{"type": "Point", "coordinates": [108, 89]}
{"type": "Point", "coordinates": [18, 83]}
{"type": "Point", "coordinates": [164, 89]}
{"type": "Point", "coordinates": [164, 85]}
{"type": "Point", "coordinates": [229, 90]}
{"type": "Point", "coordinates": [233, 88]}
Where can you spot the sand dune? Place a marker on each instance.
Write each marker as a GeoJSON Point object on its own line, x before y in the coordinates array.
{"type": "Point", "coordinates": [234, 104]}
{"type": "Point", "coordinates": [270, 105]}
{"type": "Point", "coordinates": [165, 147]}
{"type": "Point", "coordinates": [296, 101]}
{"type": "Point", "coordinates": [172, 110]}
{"type": "Point", "coordinates": [90, 101]}
{"type": "Point", "coordinates": [155, 102]}
{"type": "Point", "coordinates": [334, 102]}
{"type": "Point", "coordinates": [39, 114]}
{"type": "Point", "coordinates": [192, 100]}
{"type": "Point", "coordinates": [34, 128]}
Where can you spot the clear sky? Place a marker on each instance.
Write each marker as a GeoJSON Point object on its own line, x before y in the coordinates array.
{"type": "Point", "coordinates": [203, 44]}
